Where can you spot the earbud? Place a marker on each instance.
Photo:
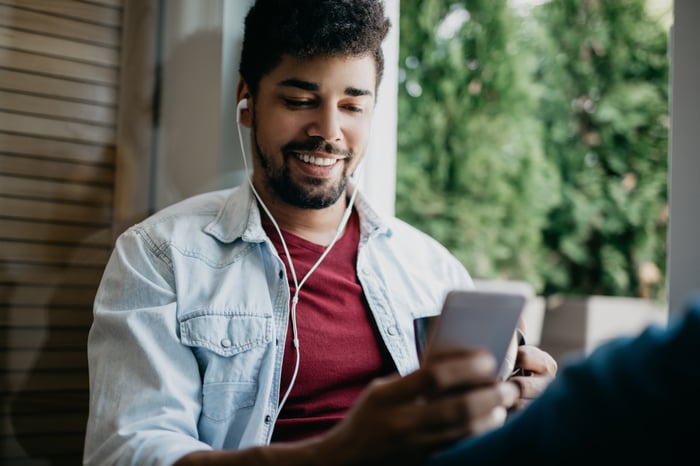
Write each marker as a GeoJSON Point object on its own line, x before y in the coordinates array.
{"type": "Point", "coordinates": [243, 103]}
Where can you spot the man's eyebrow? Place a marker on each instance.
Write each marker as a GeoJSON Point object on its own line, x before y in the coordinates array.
{"type": "Point", "coordinates": [300, 84]}
{"type": "Point", "coordinates": [355, 92]}
{"type": "Point", "coordinates": [312, 87]}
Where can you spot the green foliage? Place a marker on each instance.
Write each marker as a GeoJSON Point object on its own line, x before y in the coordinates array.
{"type": "Point", "coordinates": [471, 169]}
{"type": "Point", "coordinates": [535, 148]}
{"type": "Point", "coordinates": [605, 74]}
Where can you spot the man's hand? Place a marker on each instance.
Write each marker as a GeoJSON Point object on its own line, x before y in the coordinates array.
{"type": "Point", "coordinates": [396, 420]}
{"type": "Point", "coordinates": [535, 369]}
{"type": "Point", "coordinates": [404, 420]}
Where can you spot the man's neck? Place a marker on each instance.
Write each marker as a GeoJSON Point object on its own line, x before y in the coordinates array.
{"type": "Point", "coordinates": [316, 225]}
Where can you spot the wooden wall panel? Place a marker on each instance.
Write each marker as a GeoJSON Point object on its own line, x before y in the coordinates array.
{"type": "Point", "coordinates": [109, 15]}
{"type": "Point", "coordinates": [69, 102]}
{"type": "Point", "coordinates": [53, 46]}
{"type": "Point", "coordinates": [53, 128]}
{"type": "Point", "coordinates": [41, 210]}
{"type": "Point", "coordinates": [55, 445]}
{"type": "Point", "coordinates": [60, 359]}
{"type": "Point", "coordinates": [35, 84]}
{"type": "Point", "coordinates": [28, 316]}
{"type": "Point", "coordinates": [58, 129]}
{"type": "Point", "coordinates": [45, 253]}
{"type": "Point", "coordinates": [56, 170]}
{"type": "Point", "coordinates": [14, 186]}
{"type": "Point", "coordinates": [20, 230]}
{"type": "Point", "coordinates": [49, 381]}
{"type": "Point", "coordinates": [58, 108]}
{"type": "Point", "coordinates": [59, 339]}
{"type": "Point", "coordinates": [98, 154]}
{"type": "Point", "coordinates": [34, 22]}
{"type": "Point", "coordinates": [58, 68]}
{"type": "Point", "coordinates": [41, 274]}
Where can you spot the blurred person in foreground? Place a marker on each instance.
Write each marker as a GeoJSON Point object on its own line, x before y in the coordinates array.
{"type": "Point", "coordinates": [630, 402]}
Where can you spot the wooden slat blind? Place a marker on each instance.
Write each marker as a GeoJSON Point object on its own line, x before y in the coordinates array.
{"type": "Point", "coordinates": [56, 67]}
{"type": "Point", "coordinates": [38, 105]}
{"type": "Point", "coordinates": [60, 63]}
{"type": "Point", "coordinates": [39, 23]}
{"type": "Point", "coordinates": [49, 149]}
{"type": "Point", "coordinates": [19, 81]}
{"type": "Point", "coordinates": [108, 14]}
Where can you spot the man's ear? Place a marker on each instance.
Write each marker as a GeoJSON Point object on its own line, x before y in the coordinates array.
{"type": "Point", "coordinates": [244, 105]}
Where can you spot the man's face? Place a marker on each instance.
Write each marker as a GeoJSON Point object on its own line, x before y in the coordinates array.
{"type": "Point", "coordinates": [311, 125]}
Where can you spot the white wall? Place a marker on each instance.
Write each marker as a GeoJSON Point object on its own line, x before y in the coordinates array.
{"type": "Point", "coordinates": [189, 128]}
{"type": "Point", "coordinates": [197, 143]}
{"type": "Point", "coordinates": [684, 186]}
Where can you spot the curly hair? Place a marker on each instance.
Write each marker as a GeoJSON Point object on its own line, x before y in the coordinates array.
{"type": "Point", "coordinates": [310, 28]}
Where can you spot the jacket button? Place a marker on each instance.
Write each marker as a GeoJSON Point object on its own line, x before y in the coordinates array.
{"type": "Point", "coordinates": [226, 343]}
{"type": "Point", "coordinates": [391, 330]}
{"type": "Point", "coordinates": [268, 419]}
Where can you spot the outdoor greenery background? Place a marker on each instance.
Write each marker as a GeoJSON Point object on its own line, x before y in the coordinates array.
{"type": "Point", "coordinates": [534, 146]}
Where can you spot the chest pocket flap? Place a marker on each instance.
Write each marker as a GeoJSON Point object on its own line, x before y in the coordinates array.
{"type": "Point", "coordinates": [226, 334]}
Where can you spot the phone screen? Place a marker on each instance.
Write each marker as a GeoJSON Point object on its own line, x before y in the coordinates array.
{"type": "Point", "coordinates": [473, 318]}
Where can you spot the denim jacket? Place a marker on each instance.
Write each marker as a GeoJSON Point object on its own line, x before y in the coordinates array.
{"type": "Point", "coordinates": [184, 351]}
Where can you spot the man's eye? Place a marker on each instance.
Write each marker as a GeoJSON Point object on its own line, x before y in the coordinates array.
{"type": "Point", "coordinates": [296, 103]}
{"type": "Point", "coordinates": [353, 108]}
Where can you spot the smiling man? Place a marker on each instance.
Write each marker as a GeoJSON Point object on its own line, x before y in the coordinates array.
{"type": "Point", "coordinates": [315, 110]}
{"type": "Point", "coordinates": [310, 122]}
{"type": "Point", "coordinates": [272, 323]}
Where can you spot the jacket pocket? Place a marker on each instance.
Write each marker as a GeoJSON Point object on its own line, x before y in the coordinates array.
{"type": "Point", "coordinates": [220, 401]}
{"type": "Point", "coordinates": [230, 349]}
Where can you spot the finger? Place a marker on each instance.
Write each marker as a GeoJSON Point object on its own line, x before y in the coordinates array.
{"type": "Point", "coordinates": [459, 369]}
{"type": "Point", "coordinates": [510, 392]}
{"type": "Point", "coordinates": [533, 360]}
{"type": "Point", "coordinates": [435, 439]}
{"type": "Point", "coordinates": [531, 387]}
{"type": "Point", "coordinates": [394, 388]}
{"type": "Point", "coordinates": [495, 418]}
{"type": "Point", "coordinates": [439, 376]}
{"type": "Point", "coordinates": [521, 404]}
{"type": "Point", "coordinates": [433, 377]}
{"type": "Point", "coordinates": [468, 407]}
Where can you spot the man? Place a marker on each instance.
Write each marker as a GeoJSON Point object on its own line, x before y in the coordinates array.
{"type": "Point", "coordinates": [630, 402]}
{"type": "Point", "coordinates": [273, 323]}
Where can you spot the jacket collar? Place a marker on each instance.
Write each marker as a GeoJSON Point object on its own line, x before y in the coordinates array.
{"type": "Point", "coordinates": [239, 217]}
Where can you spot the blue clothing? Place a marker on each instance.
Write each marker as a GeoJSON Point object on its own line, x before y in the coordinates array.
{"type": "Point", "coordinates": [633, 401]}
{"type": "Point", "coordinates": [183, 352]}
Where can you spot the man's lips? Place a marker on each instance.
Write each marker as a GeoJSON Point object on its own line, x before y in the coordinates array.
{"type": "Point", "coordinates": [316, 160]}
{"type": "Point", "coordinates": [315, 152]}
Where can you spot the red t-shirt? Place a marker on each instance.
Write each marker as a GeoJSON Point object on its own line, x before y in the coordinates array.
{"type": "Point", "coordinates": [340, 348]}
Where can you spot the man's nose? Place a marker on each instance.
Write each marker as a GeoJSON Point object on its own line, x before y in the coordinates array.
{"type": "Point", "coordinates": [326, 124]}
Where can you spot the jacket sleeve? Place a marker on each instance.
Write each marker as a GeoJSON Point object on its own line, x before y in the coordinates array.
{"type": "Point", "coordinates": [144, 384]}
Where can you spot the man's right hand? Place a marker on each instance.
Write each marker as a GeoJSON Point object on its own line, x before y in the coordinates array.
{"type": "Point", "coordinates": [396, 420]}
{"type": "Point", "coordinates": [406, 419]}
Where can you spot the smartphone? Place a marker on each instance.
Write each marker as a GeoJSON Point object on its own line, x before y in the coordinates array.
{"type": "Point", "coordinates": [475, 318]}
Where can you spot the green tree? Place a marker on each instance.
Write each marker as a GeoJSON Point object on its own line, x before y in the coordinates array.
{"type": "Point", "coordinates": [471, 169]}
{"type": "Point", "coordinates": [604, 70]}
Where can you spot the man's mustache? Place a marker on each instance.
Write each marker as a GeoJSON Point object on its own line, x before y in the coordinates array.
{"type": "Point", "coordinates": [314, 144]}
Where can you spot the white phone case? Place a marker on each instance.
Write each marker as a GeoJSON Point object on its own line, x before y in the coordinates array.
{"type": "Point", "coordinates": [476, 318]}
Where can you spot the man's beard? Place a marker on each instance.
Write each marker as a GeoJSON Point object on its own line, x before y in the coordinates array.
{"type": "Point", "coordinates": [298, 195]}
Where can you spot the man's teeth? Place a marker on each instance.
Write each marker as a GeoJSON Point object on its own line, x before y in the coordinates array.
{"type": "Point", "coordinates": [320, 161]}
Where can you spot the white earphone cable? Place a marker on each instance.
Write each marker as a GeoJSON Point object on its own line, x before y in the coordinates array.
{"type": "Point", "coordinates": [297, 285]}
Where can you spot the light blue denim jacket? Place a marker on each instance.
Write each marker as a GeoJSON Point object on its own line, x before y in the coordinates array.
{"type": "Point", "coordinates": [184, 350]}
